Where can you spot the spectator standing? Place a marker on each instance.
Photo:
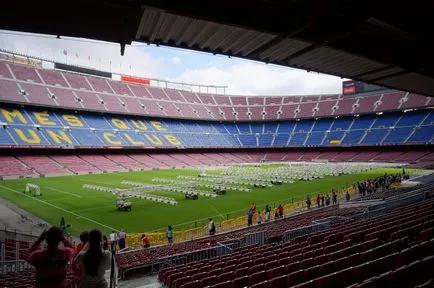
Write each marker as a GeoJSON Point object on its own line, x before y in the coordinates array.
{"type": "Point", "coordinates": [327, 200]}
{"type": "Point", "coordinates": [169, 235]}
{"type": "Point", "coordinates": [211, 227]}
{"type": "Point", "coordinates": [267, 213]}
{"type": "Point", "coordinates": [308, 202]}
{"type": "Point", "coordinates": [347, 196]}
{"type": "Point", "coordinates": [145, 241]}
{"type": "Point", "coordinates": [318, 199]}
{"type": "Point", "coordinates": [322, 200]}
{"type": "Point", "coordinates": [249, 218]}
{"type": "Point", "coordinates": [113, 239]}
{"type": "Point", "coordinates": [94, 262]}
{"type": "Point", "coordinates": [76, 269]}
{"type": "Point", "coordinates": [253, 208]}
{"type": "Point", "coordinates": [259, 217]}
{"type": "Point", "coordinates": [122, 239]}
{"type": "Point", "coordinates": [280, 210]}
{"type": "Point", "coordinates": [51, 262]}
{"type": "Point", "coordinates": [335, 198]}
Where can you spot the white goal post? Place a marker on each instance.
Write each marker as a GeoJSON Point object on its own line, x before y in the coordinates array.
{"type": "Point", "coordinates": [32, 189]}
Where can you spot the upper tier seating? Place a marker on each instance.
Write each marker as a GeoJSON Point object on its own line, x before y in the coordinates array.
{"type": "Point", "coordinates": [42, 127]}
{"type": "Point", "coordinates": [26, 84]}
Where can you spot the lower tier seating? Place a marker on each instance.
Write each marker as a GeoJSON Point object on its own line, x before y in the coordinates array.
{"type": "Point", "coordinates": [396, 248]}
{"type": "Point", "coordinates": [140, 260]}
{"type": "Point", "coordinates": [76, 163]}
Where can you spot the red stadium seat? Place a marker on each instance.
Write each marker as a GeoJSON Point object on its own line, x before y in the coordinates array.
{"type": "Point", "coordinates": [278, 282]}
{"type": "Point", "coordinates": [193, 284]}
{"type": "Point", "coordinates": [241, 282]}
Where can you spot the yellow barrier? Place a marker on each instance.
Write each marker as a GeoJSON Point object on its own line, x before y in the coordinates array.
{"type": "Point", "coordinates": [159, 238]}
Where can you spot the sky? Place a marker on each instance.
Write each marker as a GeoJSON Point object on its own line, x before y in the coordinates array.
{"type": "Point", "coordinates": [243, 77]}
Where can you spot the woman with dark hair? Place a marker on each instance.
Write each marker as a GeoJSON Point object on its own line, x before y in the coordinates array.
{"type": "Point", "coordinates": [50, 262]}
{"type": "Point", "coordinates": [93, 262]}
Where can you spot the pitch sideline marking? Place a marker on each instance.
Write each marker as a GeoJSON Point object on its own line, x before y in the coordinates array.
{"type": "Point", "coordinates": [59, 208]}
{"type": "Point", "coordinates": [218, 212]}
{"type": "Point", "coordinates": [64, 192]}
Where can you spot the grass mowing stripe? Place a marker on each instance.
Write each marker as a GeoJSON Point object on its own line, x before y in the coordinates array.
{"type": "Point", "coordinates": [93, 208]}
{"type": "Point", "coordinates": [59, 208]}
{"type": "Point", "coordinates": [63, 192]}
{"type": "Point", "coordinates": [147, 216]}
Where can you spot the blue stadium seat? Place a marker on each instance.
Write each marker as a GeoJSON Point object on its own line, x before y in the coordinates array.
{"type": "Point", "coordinates": [265, 140]}
{"type": "Point", "coordinates": [398, 135]}
{"type": "Point", "coordinates": [363, 122]}
{"type": "Point", "coordinates": [429, 120]}
{"type": "Point", "coordinates": [297, 139]}
{"type": "Point", "coordinates": [333, 138]}
{"type": "Point", "coordinates": [411, 119]}
{"type": "Point", "coordinates": [86, 137]}
{"type": "Point", "coordinates": [256, 128]}
{"type": "Point", "coordinates": [270, 127]}
{"type": "Point", "coordinates": [374, 136]}
{"type": "Point", "coordinates": [286, 127]}
{"type": "Point", "coordinates": [281, 140]}
{"type": "Point", "coordinates": [244, 128]}
{"type": "Point", "coordinates": [27, 135]}
{"type": "Point", "coordinates": [304, 126]}
{"type": "Point", "coordinates": [422, 135]}
{"type": "Point", "coordinates": [5, 138]}
{"type": "Point", "coordinates": [353, 137]}
{"type": "Point", "coordinates": [385, 121]}
{"type": "Point", "coordinates": [231, 128]}
{"type": "Point", "coordinates": [248, 140]}
{"type": "Point", "coordinates": [322, 125]}
{"type": "Point", "coordinates": [315, 139]}
{"type": "Point", "coordinates": [32, 126]}
{"type": "Point", "coordinates": [342, 124]}
{"type": "Point", "coordinates": [97, 122]}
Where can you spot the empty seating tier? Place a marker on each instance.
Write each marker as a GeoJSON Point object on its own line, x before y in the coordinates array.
{"type": "Point", "coordinates": [35, 84]}
{"type": "Point", "coordinates": [396, 248]}
{"type": "Point", "coordinates": [43, 127]}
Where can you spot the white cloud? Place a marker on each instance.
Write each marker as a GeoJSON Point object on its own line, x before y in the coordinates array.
{"type": "Point", "coordinates": [249, 78]}
{"type": "Point", "coordinates": [95, 54]}
{"type": "Point", "coordinates": [176, 60]}
{"type": "Point", "coordinates": [241, 76]}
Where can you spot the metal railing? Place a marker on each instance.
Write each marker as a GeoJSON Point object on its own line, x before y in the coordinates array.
{"type": "Point", "coordinates": [255, 238]}
{"type": "Point", "coordinates": [289, 235]}
{"type": "Point", "coordinates": [184, 258]}
{"type": "Point", "coordinates": [113, 271]}
{"type": "Point", "coordinates": [7, 267]}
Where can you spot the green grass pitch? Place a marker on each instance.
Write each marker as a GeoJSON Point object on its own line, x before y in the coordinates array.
{"type": "Point", "coordinates": [85, 209]}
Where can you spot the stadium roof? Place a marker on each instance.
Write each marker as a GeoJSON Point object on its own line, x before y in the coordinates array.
{"type": "Point", "coordinates": [379, 42]}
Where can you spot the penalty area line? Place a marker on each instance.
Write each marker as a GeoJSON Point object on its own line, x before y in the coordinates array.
{"type": "Point", "coordinates": [59, 208]}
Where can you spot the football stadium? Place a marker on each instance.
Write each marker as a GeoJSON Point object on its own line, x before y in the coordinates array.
{"type": "Point", "coordinates": [182, 185]}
